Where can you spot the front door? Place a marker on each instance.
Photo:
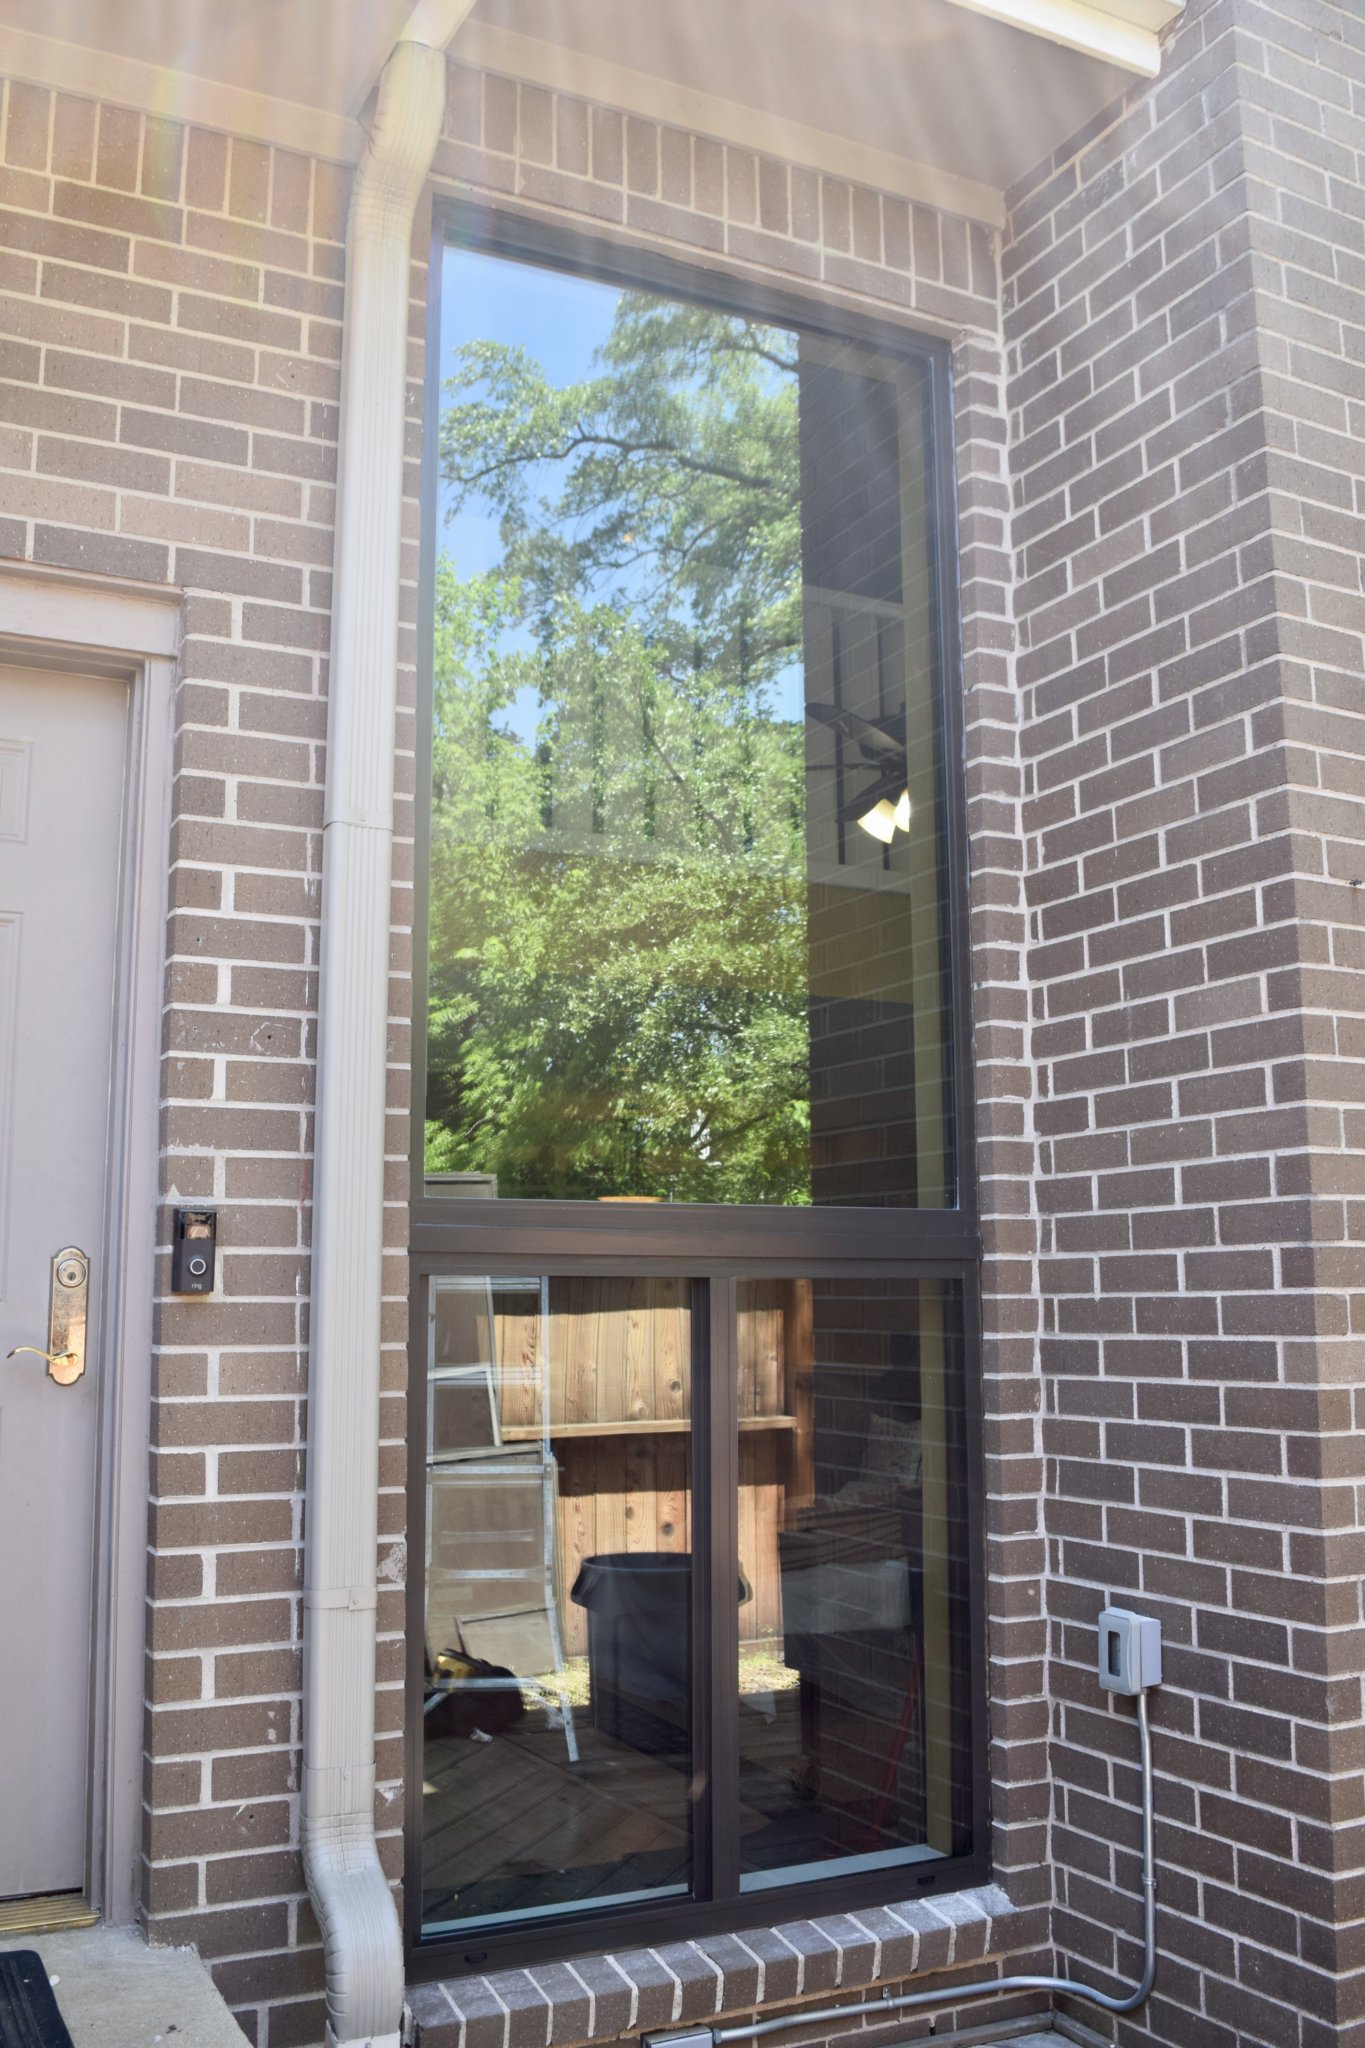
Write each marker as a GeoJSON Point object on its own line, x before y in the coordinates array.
{"type": "Point", "coordinates": [62, 770]}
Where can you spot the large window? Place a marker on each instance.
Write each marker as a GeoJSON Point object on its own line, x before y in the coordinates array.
{"type": "Point", "coordinates": [693, 1562]}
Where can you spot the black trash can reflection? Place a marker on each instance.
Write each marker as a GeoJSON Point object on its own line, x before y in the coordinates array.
{"type": "Point", "coordinates": [639, 1608]}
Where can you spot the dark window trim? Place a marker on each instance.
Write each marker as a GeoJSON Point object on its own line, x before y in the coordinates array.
{"type": "Point", "coordinates": [689, 1230]}
{"type": "Point", "coordinates": [575, 1237]}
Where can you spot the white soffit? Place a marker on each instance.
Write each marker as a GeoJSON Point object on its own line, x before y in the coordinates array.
{"type": "Point", "coordinates": [947, 102]}
{"type": "Point", "coordinates": [660, 98]}
{"type": "Point", "coordinates": [921, 97]}
{"type": "Point", "coordinates": [177, 95]}
{"type": "Point", "coordinates": [293, 72]}
{"type": "Point", "coordinates": [1121, 32]}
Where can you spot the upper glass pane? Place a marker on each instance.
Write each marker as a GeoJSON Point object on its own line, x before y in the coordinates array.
{"type": "Point", "coordinates": [688, 922]}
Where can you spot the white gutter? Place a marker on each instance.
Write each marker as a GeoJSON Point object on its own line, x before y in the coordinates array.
{"type": "Point", "coordinates": [350, 1892]}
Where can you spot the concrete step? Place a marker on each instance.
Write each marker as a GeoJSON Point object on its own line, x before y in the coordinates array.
{"type": "Point", "coordinates": [115, 1992]}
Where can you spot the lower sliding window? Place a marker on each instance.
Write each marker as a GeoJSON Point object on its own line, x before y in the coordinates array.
{"type": "Point", "coordinates": [623, 1705]}
{"type": "Point", "coordinates": [694, 1538]}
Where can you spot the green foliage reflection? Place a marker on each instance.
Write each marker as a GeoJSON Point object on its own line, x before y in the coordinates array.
{"type": "Point", "coordinates": [618, 999]}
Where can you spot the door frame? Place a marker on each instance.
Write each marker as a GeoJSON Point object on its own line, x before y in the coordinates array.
{"type": "Point", "coordinates": [129, 632]}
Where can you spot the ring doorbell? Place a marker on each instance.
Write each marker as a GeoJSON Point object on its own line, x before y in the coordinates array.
{"type": "Point", "coordinates": [194, 1243]}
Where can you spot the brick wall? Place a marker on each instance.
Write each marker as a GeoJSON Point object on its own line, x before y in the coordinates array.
{"type": "Point", "coordinates": [170, 306]}
{"type": "Point", "coordinates": [1185, 318]}
{"type": "Point", "coordinates": [169, 337]}
{"type": "Point", "coordinates": [615, 1998]}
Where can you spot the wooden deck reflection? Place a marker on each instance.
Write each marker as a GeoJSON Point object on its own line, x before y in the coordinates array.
{"type": "Point", "coordinates": [510, 1823]}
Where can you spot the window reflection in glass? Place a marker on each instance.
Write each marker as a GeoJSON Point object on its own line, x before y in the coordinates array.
{"type": "Point", "coordinates": [557, 1751]}
{"type": "Point", "coordinates": [854, 1706]}
{"type": "Point", "coordinates": [687, 929]}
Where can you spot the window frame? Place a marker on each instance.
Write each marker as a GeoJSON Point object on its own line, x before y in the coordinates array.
{"type": "Point", "coordinates": [711, 1244]}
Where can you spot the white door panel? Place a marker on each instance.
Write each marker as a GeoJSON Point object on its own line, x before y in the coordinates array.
{"type": "Point", "coordinates": [62, 766]}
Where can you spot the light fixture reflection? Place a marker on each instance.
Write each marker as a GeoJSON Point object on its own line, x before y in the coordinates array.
{"type": "Point", "coordinates": [884, 818]}
{"type": "Point", "coordinates": [880, 821]}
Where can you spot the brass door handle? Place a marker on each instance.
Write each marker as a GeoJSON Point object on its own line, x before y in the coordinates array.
{"type": "Point", "coordinates": [57, 1361]}
{"type": "Point", "coordinates": [66, 1319]}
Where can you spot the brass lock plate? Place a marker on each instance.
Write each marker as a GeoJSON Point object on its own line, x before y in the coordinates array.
{"type": "Point", "coordinates": [66, 1324]}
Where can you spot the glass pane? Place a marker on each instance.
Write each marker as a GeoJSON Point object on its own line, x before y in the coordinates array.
{"type": "Point", "coordinates": [854, 1702]}
{"type": "Point", "coordinates": [688, 939]}
{"type": "Point", "coordinates": [557, 1758]}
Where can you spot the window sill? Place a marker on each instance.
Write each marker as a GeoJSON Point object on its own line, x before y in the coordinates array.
{"type": "Point", "coordinates": [600, 1997]}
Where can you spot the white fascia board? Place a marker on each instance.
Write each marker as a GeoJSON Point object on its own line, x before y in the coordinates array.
{"type": "Point", "coordinates": [1109, 31]}
{"type": "Point", "coordinates": [177, 95]}
{"type": "Point", "coordinates": [536, 62]}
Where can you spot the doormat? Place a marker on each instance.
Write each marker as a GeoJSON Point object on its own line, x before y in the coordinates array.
{"type": "Point", "coordinates": [28, 2012]}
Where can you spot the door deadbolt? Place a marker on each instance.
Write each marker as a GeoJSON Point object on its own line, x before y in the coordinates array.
{"type": "Point", "coordinates": [66, 1320]}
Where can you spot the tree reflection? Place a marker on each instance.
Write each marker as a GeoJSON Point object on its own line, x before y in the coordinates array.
{"type": "Point", "coordinates": [619, 985]}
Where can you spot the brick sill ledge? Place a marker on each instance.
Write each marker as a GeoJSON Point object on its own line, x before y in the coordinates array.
{"type": "Point", "coordinates": [601, 1997]}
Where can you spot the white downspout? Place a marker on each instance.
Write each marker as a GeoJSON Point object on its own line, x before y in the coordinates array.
{"type": "Point", "coordinates": [350, 1892]}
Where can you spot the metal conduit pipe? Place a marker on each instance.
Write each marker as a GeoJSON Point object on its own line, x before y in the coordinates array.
{"type": "Point", "coordinates": [995, 1987]}
{"type": "Point", "coordinates": [347, 1883]}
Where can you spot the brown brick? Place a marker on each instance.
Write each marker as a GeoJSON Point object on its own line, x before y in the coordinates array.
{"type": "Point", "coordinates": [73, 136]}
{"type": "Point", "coordinates": [102, 552]}
{"type": "Point", "coordinates": [258, 1571]}
{"type": "Point", "coordinates": [249, 180]}
{"type": "Point", "coordinates": [247, 323]}
{"type": "Point", "coordinates": [642, 156]}
{"type": "Point", "coordinates": [331, 201]}
{"type": "Point", "coordinates": [290, 192]}
{"type": "Point", "coordinates": [228, 1879]}
{"type": "Point", "coordinates": [741, 186]}
{"type": "Point", "coordinates": [117, 209]}
{"type": "Point", "coordinates": [835, 214]}
{"type": "Point", "coordinates": [65, 241]}
{"type": "Point", "coordinates": [229, 1931]}
{"type": "Point", "coordinates": [536, 124]}
{"type": "Point", "coordinates": [119, 150]}
{"type": "Point", "coordinates": [27, 125]}
{"type": "Point", "coordinates": [163, 157]}
{"type": "Point", "coordinates": [253, 1672]}
{"type": "Point", "coordinates": [213, 1624]}
{"type": "Point", "coordinates": [298, 2023]}
{"type": "Point", "coordinates": [464, 109]}
{"type": "Point", "coordinates": [206, 163]}
{"type": "Point", "coordinates": [500, 115]}
{"type": "Point", "coordinates": [675, 166]}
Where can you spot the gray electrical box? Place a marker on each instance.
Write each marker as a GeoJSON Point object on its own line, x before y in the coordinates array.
{"type": "Point", "coordinates": [1130, 1651]}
